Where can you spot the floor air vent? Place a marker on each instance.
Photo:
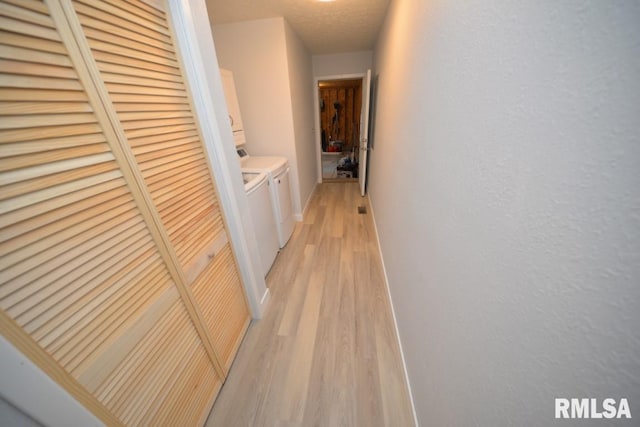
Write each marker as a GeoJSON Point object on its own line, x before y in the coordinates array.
{"type": "Point", "coordinates": [362, 209]}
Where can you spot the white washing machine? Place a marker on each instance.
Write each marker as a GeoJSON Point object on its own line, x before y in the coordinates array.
{"type": "Point", "coordinates": [256, 185]}
{"type": "Point", "coordinates": [277, 170]}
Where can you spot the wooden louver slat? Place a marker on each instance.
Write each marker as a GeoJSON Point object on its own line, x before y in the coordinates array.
{"type": "Point", "coordinates": [26, 28]}
{"type": "Point", "coordinates": [87, 144]}
{"type": "Point", "coordinates": [30, 190]}
{"type": "Point", "coordinates": [28, 82]}
{"type": "Point", "coordinates": [34, 5]}
{"type": "Point", "coordinates": [107, 59]}
{"type": "Point", "coordinates": [44, 69]}
{"type": "Point", "coordinates": [22, 54]}
{"type": "Point", "coordinates": [43, 95]}
{"type": "Point", "coordinates": [16, 108]}
{"type": "Point", "coordinates": [124, 29]}
{"type": "Point", "coordinates": [24, 14]}
{"type": "Point", "coordinates": [133, 15]}
{"type": "Point", "coordinates": [36, 45]}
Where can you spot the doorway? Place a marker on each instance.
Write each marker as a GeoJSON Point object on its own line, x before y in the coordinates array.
{"type": "Point", "coordinates": [339, 101]}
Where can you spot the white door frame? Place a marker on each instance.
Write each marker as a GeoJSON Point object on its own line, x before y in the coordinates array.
{"type": "Point", "coordinates": [316, 110]}
{"type": "Point", "coordinates": [195, 44]}
{"type": "Point", "coordinates": [363, 147]}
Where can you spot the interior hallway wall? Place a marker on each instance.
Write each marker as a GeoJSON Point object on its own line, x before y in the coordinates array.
{"type": "Point", "coordinates": [301, 86]}
{"type": "Point", "coordinates": [506, 190]}
{"type": "Point", "coordinates": [257, 54]}
{"type": "Point", "coordinates": [342, 63]}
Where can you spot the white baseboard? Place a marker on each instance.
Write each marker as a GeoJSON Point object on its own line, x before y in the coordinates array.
{"type": "Point", "coordinates": [265, 300]}
{"type": "Point", "coordinates": [393, 313]}
{"type": "Point", "coordinates": [300, 217]}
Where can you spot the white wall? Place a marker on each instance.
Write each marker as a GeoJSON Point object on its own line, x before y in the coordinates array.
{"type": "Point", "coordinates": [36, 398]}
{"type": "Point", "coordinates": [301, 85]}
{"type": "Point", "coordinates": [342, 63]}
{"type": "Point", "coordinates": [506, 190]}
{"type": "Point", "coordinates": [256, 52]}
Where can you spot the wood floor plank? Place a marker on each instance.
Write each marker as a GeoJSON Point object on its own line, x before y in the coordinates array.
{"type": "Point", "coordinates": [295, 299]}
{"type": "Point", "coordinates": [367, 378]}
{"type": "Point", "coordinates": [322, 374]}
{"type": "Point", "coordinates": [326, 352]}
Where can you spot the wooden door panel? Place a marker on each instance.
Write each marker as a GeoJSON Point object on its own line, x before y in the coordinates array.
{"type": "Point", "coordinates": [82, 284]}
{"type": "Point", "coordinates": [222, 304]}
{"type": "Point", "coordinates": [192, 217]}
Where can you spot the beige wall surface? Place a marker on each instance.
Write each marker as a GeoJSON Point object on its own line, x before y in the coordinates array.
{"type": "Point", "coordinates": [504, 182]}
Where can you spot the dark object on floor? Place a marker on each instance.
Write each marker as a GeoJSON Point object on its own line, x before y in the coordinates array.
{"type": "Point", "coordinates": [349, 170]}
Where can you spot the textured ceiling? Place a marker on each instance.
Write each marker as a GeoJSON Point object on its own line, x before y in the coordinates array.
{"type": "Point", "coordinates": [324, 27]}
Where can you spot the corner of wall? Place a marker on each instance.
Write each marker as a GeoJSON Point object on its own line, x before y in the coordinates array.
{"type": "Point", "coordinates": [300, 78]}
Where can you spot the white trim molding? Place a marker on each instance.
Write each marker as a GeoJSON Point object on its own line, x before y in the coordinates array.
{"type": "Point", "coordinates": [195, 41]}
{"type": "Point", "coordinates": [393, 313]}
{"type": "Point", "coordinates": [316, 109]}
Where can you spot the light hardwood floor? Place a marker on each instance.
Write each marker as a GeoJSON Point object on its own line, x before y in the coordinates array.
{"type": "Point", "coordinates": [325, 353]}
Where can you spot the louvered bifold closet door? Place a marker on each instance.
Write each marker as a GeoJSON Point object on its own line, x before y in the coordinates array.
{"type": "Point", "coordinates": [84, 290]}
{"type": "Point", "coordinates": [132, 45]}
{"type": "Point", "coordinates": [135, 54]}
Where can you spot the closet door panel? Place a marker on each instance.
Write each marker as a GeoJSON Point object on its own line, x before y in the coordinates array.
{"type": "Point", "coordinates": [154, 110]}
{"type": "Point", "coordinates": [153, 106]}
{"type": "Point", "coordinates": [83, 287]}
{"type": "Point", "coordinates": [139, 396]}
{"type": "Point", "coordinates": [67, 216]}
{"type": "Point", "coordinates": [223, 304]}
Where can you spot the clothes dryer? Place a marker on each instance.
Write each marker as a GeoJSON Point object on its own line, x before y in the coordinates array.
{"type": "Point", "coordinates": [264, 223]}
